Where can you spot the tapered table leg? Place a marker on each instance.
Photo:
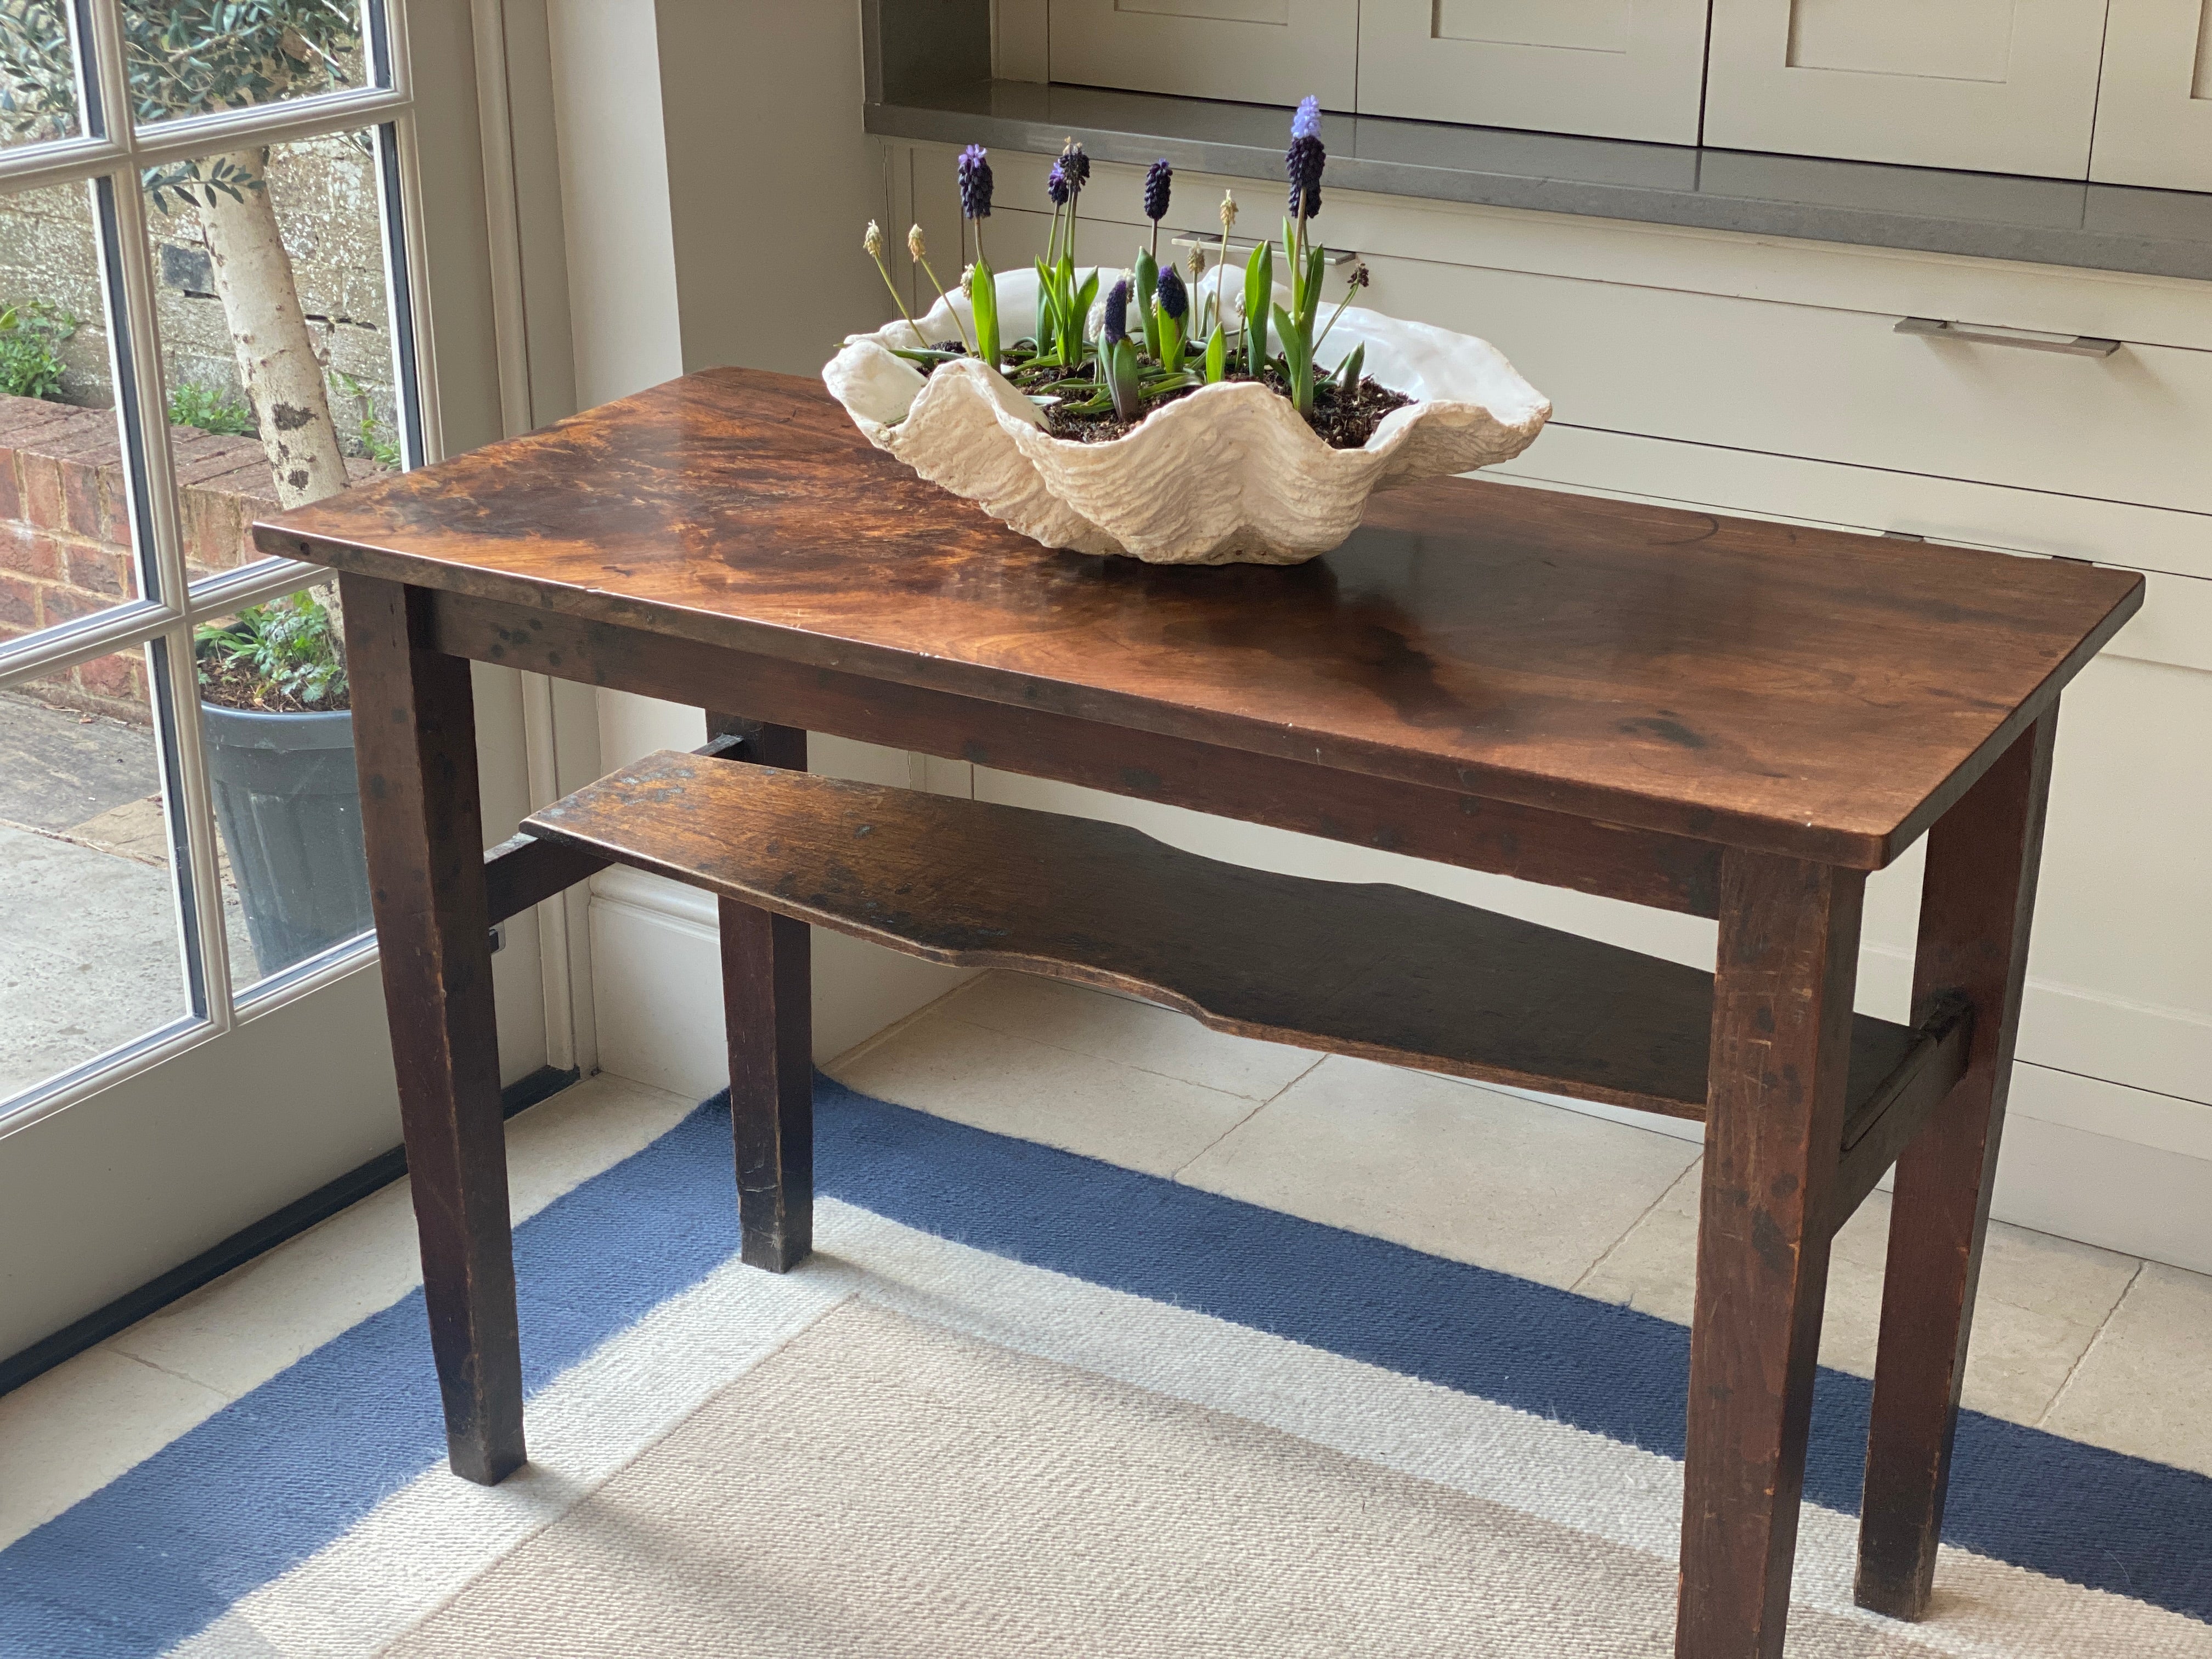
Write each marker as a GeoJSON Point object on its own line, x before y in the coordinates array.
{"type": "Point", "coordinates": [415, 745]}
{"type": "Point", "coordinates": [767, 1000]}
{"type": "Point", "coordinates": [1781, 1040]}
{"type": "Point", "coordinates": [1975, 906]}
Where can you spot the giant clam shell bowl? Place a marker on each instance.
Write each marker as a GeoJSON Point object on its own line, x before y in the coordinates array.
{"type": "Point", "coordinates": [1228, 474]}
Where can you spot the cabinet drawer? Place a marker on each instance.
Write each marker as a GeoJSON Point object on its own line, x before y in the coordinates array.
{"type": "Point", "coordinates": [2173, 549]}
{"type": "Point", "coordinates": [1256, 51]}
{"type": "Point", "coordinates": [1834, 385]}
{"type": "Point", "coordinates": [1613, 69]}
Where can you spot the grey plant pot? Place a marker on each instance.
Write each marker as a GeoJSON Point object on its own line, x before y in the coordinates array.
{"type": "Point", "coordinates": [289, 809]}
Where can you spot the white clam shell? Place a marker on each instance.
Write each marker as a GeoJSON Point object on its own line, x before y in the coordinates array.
{"type": "Point", "coordinates": [1230, 473]}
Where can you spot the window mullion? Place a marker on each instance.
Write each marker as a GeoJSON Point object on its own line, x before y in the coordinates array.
{"type": "Point", "coordinates": [104, 69]}
{"type": "Point", "coordinates": [116, 628]}
{"type": "Point", "coordinates": [174, 678]}
{"type": "Point", "coordinates": [141, 382]}
{"type": "Point", "coordinates": [174, 684]}
{"type": "Point", "coordinates": [399, 179]}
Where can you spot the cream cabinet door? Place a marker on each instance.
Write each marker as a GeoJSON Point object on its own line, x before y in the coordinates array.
{"type": "Point", "coordinates": [1258, 52]}
{"type": "Point", "coordinates": [1995, 85]}
{"type": "Point", "coordinates": [1613, 69]}
{"type": "Point", "coordinates": [2155, 108]}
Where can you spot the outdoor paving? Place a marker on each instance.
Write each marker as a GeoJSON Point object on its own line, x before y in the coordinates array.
{"type": "Point", "coordinates": [90, 956]}
{"type": "Point", "coordinates": [60, 769]}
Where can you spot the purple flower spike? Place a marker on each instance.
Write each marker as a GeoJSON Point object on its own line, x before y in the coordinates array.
{"type": "Point", "coordinates": [1056, 184]}
{"type": "Point", "coordinates": [1303, 165]}
{"type": "Point", "coordinates": [1075, 166]}
{"type": "Point", "coordinates": [1117, 326]}
{"type": "Point", "coordinates": [1158, 179]}
{"type": "Point", "coordinates": [1305, 160]}
{"type": "Point", "coordinates": [975, 183]}
{"type": "Point", "coordinates": [1174, 297]}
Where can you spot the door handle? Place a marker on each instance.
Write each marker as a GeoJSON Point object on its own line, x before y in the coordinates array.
{"type": "Point", "coordinates": [2078, 345]}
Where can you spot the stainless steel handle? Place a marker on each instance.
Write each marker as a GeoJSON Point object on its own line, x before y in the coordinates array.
{"type": "Point", "coordinates": [2078, 345]}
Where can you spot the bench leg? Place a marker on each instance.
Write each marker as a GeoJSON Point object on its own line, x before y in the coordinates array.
{"type": "Point", "coordinates": [1781, 1040]}
{"type": "Point", "coordinates": [415, 745]}
{"type": "Point", "coordinates": [768, 999]}
{"type": "Point", "coordinates": [1976, 902]}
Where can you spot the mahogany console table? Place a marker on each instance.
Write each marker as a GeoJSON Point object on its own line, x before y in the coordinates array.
{"type": "Point", "coordinates": [1726, 718]}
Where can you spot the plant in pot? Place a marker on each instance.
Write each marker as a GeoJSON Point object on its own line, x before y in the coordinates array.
{"type": "Point", "coordinates": [277, 714]}
{"type": "Point", "coordinates": [1225, 417]}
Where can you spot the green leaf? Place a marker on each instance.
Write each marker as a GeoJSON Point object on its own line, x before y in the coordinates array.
{"type": "Point", "coordinates": [1298, 360]}
{"type": "Point", "coordinates": [1123, 381]}
{"type": "Point", "coordinates": [1147, 284]}
{"type": "Point", "coordinates": [1259, 291]}
{"type": "Point", "coordinates": [1217, 356]}
{"type": "Point", "coordinates": [1085, 297]}
{"type": "Point", "coordinates": [983, 299]}
{"type": "Point", "coordinates": [1169, 332]}
{"type": "Point", "coordinates": [1048, 315]}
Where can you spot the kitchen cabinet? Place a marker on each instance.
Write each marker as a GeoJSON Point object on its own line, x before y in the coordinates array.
{"type": "Point", "coordinates": [1613, 69]}
{"type": "Point", "coordinates": [1259, 51]}
{"type": "Point", "coordinates": [1993, 86]}
{"type": "Point", "coordinates": [2154, 110]}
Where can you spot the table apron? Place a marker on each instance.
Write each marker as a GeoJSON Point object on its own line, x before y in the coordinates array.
{"type": "Point", "coordinates": [1643, 866]}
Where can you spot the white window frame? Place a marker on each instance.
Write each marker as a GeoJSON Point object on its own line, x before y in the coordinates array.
{"type": "Point", "coordinates": [108, 156]}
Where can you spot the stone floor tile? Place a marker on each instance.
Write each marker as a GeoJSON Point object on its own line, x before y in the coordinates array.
{"type": "Point", "coordinates": [1129, 1032]}
{"type": "Point", "coordinates": [1013, 1086]}
{"type": "Point", "coordinates": [235, 1334]}
{"type": "Point", "coordinates": [1460, 1172]}
{"type": "Point", "coordinates": [2041, 1299]}
{"type": "Point", "coordinates": [68, 1433]}
{"type": "Point", "coordinates": [2145, 1386]}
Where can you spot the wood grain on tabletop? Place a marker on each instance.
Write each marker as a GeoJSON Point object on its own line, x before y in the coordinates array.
{"type": "Point", "coordinates": [1765, 684]}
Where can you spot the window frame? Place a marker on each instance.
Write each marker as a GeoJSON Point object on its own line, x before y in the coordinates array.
{"type": "Point", "coordinates": [107, 156]}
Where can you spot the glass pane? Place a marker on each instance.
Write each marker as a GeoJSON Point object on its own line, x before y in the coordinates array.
{"type": "Point", "coordinates": [289, 254]}
{"type": "Point", "coordinates": [188, 57]}
{"type": "Point", "coordinates": [279, 742]}
{"type": "Point", "coordinates": [37, 73]}
{"type": "Point", "coordinates": [66, 541]}
{"type": "Point", "coordinates": [89, 951]}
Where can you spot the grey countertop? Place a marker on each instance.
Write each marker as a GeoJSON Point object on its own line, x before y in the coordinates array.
{"type": "Point", "coordinates": [1988, 215]}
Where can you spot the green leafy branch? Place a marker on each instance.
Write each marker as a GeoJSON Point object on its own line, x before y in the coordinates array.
{"type": "Point", "coordinates": [284, 650]}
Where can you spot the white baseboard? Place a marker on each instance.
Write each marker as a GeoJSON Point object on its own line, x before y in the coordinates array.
{"type": "Point", "coordinates": [2099, 1189]}
{"type": "Point", "coordinates": [2082, 1158]}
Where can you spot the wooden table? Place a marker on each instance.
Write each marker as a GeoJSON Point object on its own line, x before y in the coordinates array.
{"type": "Point", "coordinates": [1726, 718]}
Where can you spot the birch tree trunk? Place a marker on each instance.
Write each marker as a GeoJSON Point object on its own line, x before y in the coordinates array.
{"type": "Point", "coordinates": [277, 360]}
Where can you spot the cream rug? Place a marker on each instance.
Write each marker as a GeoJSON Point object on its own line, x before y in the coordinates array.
{"type": "Point", "coordinates": [1023, 1403]}
{"type": "Point", "coordinates": [882, 1485]}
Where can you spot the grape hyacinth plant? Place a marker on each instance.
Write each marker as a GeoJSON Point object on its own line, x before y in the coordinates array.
{"type": "Point", "coordinates": [1303, 163]}
{"type": "Point", "coordinates": [1159, 184]}
{"type": "Point", "coordinates": [974, 173]}
{"type": "Point", "coordinates": [1162, 335]}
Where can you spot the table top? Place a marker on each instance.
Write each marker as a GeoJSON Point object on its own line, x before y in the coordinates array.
{"type": "Point", "coordinates": [1797, 690]}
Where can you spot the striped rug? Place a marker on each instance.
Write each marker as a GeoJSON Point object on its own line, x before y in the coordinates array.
{"type": "Point", "coordinates": [1024, 1402]}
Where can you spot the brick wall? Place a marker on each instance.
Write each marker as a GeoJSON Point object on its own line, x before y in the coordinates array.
{"type": "Point", "coordinates": [65, 529]}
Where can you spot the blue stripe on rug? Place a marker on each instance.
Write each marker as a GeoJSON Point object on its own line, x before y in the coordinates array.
{"type": "Point", "coordinates": [264, 1484]}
